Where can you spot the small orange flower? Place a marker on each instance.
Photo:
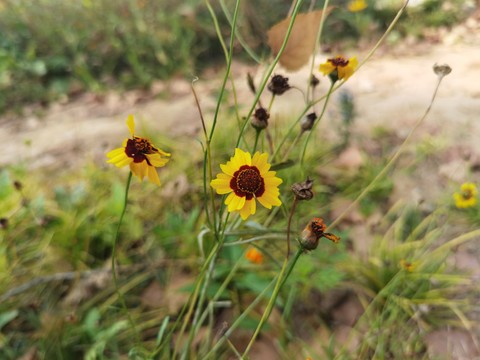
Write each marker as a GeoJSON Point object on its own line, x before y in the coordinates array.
{"type": "Point", "coordinates": [339, 67]}
{"type": "Point", "coordinates": [314, 231]}
{"type": "Point", "coordinates": [254, 256]}
{"type": "Point", "coordinates": [407, 265]}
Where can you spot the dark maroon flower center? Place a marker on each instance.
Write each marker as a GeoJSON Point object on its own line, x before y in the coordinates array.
{"type": "Point", "coordinates": [318, 227]}
{"type": "Point", "coordinates": [467, 194]}
{"type": "Point", "coordinates": [339, 61]}
{"type": "Point", "coordinates": [137, 148]}
{"type": "Point", "coordinates": [247, 182]}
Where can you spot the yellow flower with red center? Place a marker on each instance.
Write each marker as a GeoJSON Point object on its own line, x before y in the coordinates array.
{"type": "Point", "coordinates": [339, 67]}
{"type": "Point", "coordinates": [140, 154]}
{"type": "Point", "coordinates": [467, 197]}
{"type": "Point", "coordinates": [254, 256]}
{"type": "Point", "coordinates": [245, 179]}
{"type": "Point", "coordinates": [357, 5]}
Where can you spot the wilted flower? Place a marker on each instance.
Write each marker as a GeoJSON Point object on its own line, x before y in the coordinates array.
{"type": "Point", "coordinates": [339, 68]}
{"type": "Point", "coordinates": [357, 5]}
{"type": "Point", "coordinates": [442, 70]}
{"type": "Point", "coordinates": [254, 256]}
{"type": "Point", "coordinates": [314, 231]}
{"type": "Point", "coordinates": [308, 121]}
{"type": "Point", "coordinates": [245, 179]}
{"type": "Point", "coordinates": [278, 84]}
{"type": "Point", "coordinates": [303, 190]}
{"type": "Point", "coordinates": [260, 119]}
{"type": "Point", "coordinates": [467, 197]}
{"type": "Point", "coordinates": [140, 154]}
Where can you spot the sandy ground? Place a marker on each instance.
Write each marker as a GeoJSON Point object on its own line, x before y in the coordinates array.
{"type": "Point", "coordinates": [392, 90]}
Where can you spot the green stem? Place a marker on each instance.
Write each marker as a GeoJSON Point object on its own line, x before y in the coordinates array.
{"type": "Point", "coordinates": [257, 135]}
{"type": "Point", "coordinates": [270, 71]}
{"type": "Point", "coordinates": [114, 250]}
{"type": "Point", "coordinates": [316, 122]}
{"type": "Point", "coordinates": [266, 314]}
{"type": "Point", "coordinates": [389, 164]}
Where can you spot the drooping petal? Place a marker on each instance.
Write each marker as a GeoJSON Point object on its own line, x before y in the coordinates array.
{"type": "Point", "coordinates": [248, 209]}
{"type": "Point", "coordinates": [153, 175]}
{"type": "Point", "coordinates": [139, 169]}
{"type": "Point", "coordinates": [124, 161]}
{"type": "Point", "coordinates": [236, 203]}
{"type": "Point", "coordinates": [131, 125]}
{"type": "Point", "coordinates": [113, 153]}
{"type": "Point", "coordinates": [156, 160]}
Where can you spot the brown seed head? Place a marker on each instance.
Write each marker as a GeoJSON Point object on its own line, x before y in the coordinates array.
{"type": "Point", "coordinates": [442, 70]}
{"type": "Point", "coordinates": [278, 85]}
{"type": "Point", "coordinates": [307, 121]}
{"type": "Point", "coordinates": [260, 119]}
{"type": "Point", "coordinates": [314, 81]}
{"type": "Point", "coordinates": [3, 223]}
{"type": "Point", "coordinates": [303, 190]}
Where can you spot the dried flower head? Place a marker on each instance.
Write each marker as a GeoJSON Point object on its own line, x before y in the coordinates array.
{"type": "Point", "coordinates": [307, 122]}
{"type": "Point", "coordinates": [260, 119]}
{"type": "Point", "coordinates": [17, 185]}
{"type": "Point", "coordinates": [314, 231]}
{"type": "Point", "coordinates": [303, 190]}
{"type": "Point", "coordinates": [314, 81]}
{"type": "Point", "coordinates": [442, 70]}
{"type": "Point", "coordinates": [247, 179]}
{"type": "Point", "coordinates": [3, 223]}
{"type": "Point", "coordinates": [339, 68]}
{"type": "Point", "coordinates": [467, 197]}
{"type": "Point", "coordinates": [140, 154]}
{"type": "Point", "coordinates": [254, 256]}
{"type": "Point", "coordinates": [278, 84]}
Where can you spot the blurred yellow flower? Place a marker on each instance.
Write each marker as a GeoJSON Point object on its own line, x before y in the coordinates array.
{"type": "Point", "coordinates": [140, 154]}
{"type": "Point", "coordinates": [357, 5]}
{"type": "Point", "coordinates": [407, 265]}
{"type": "Point", "coordinates": [245, 179]}
{"type": "Point", "coordinates": [467, 197]}
{"type": "Point", "coordinates": [254, 256]}
{"type": "Point", "coordinates": [339, 67]}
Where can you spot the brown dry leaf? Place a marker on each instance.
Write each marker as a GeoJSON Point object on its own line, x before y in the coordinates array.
{"type": "Point", "coordinates": [301, 42]}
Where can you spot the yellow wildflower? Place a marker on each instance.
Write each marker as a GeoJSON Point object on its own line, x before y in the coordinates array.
{"type": "Point", "coordinates": [467, 197]}
{"type": "Point", "coordinates": [140, 154]}
{"type": "Point", "coordinates": [245, 179]}
{"type": "Point", "coordinates": [357, 5]}
{"type": "Point", "coordinates": [339, 67]}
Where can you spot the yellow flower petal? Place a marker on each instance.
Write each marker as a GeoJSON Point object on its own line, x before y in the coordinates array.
{"type": "Point", "coordinates": [222, 186]}
{"type": "Point", "coordinates": [236, 203]}
{"type": "Point", "coordinates": [326, 68]}
{"type": "Point", "coordinates": [248, 209]}
{"type": "Point", "coordinates": [124, 162]}
{"type": "Point", "coordinates": [156, 160]}
{"type": "Point", "coordinates": [139, 169]}
{"type": "Point", "coordinates": [131, 125]}
{"type": "Point", "coordinates": [260, 161]}
{"type": "Point", "coordinates": [113, 153]}
{"type": "Point", "coordinates": [228, 169]}
{"type": "Point", "coordinates": [153, 175]}
{"type": "Point", "coordinates": [229, 198]}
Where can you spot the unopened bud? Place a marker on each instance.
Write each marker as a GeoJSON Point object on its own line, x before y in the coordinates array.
{"type": "Point", "coordinates": [303, 190]}
{"type": "Point", "coordinates": [278, 85]}
{"type": "Point", "coordinates": [314, 81]}
{"type": "Point", "coordinates": [307, 121]}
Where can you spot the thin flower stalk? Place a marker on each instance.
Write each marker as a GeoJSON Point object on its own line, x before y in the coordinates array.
{"type": "Point", "coordinates": [316, 122]}
{"type": "Point", "coordinates": [270, 71]}
{"type": "Point", "coordinates": [114, 250]}
{"type": "Point", "coordinates": [392, 160]}
{"type": "Point", "coordinates": [337, 86]}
